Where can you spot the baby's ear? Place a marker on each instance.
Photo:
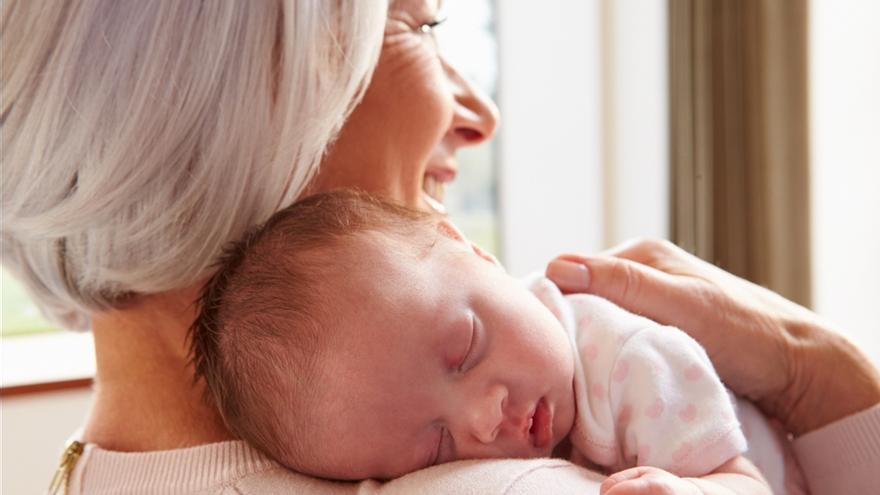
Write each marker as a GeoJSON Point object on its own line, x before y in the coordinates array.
{"type": "Point", "coordinates": [486, 255]}
{"type": "Point", "coordinates": [447, 228]}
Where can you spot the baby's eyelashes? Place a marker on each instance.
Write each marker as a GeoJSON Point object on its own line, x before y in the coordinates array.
{"type": "Point", "coordinates": [469, 351]}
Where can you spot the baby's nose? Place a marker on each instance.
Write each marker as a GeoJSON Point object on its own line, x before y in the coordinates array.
{"type": "Point", "coordinates": [488, 416]}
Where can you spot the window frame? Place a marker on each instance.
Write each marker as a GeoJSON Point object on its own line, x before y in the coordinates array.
{"type": "Point", "coordinates": [46, 362]}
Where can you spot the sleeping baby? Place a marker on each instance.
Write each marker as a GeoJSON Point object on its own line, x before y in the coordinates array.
{"type": "Point", "coordinates": [349, 338]}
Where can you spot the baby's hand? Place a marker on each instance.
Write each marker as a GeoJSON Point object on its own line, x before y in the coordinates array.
{"type": "Point", "coordinates": [646, 480]}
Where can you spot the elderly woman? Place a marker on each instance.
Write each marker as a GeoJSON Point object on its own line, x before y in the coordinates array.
{"type": "Point", "coordinates": [141, 136]}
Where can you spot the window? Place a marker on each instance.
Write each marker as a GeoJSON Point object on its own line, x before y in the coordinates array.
{"type": "Point", "coordinates": [844, 109]}
{"type": "Point", "coordinates": [20, 315]}
{"type": "Point", "coordinates": [34, 351]}
{"type": "Point", "coordinates": [583, 138]}
{"type": "Point", "coordinates": [467, 40]}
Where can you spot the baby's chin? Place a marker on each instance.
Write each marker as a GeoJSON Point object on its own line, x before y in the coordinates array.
{"type": "Point", "coordinates": [565, 412]}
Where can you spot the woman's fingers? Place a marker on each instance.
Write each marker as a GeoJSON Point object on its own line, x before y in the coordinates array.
{"type": "Point", "coordinates": [643, 250]}
{"type": "Point", "coordinates": [570, 273]}
{"type": "Point", "coordinates": [631, 285]}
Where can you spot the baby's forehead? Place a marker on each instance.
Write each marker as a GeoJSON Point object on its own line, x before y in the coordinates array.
{"type": "Point", "coordinates": [387, 252]}
{"type": "Point", "coordinates": [384, 286]}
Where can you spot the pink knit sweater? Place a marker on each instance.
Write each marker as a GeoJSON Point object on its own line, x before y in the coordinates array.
{"type": "Point", "coordinates": [841, 459]}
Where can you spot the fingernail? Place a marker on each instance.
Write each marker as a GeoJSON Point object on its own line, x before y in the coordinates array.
{"type": "Point", "coordinates": [569, 275]}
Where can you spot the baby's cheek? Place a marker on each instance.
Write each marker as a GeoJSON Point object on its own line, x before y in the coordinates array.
{"type": "Point", "coordinates": [566, 412]}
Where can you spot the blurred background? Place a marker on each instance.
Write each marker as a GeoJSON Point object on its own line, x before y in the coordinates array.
{"type": "Point", "coordinates": [747, 132]}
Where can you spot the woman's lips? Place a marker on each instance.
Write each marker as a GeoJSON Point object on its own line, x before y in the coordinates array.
{"type": "Point", "coordinates": [541, 431]}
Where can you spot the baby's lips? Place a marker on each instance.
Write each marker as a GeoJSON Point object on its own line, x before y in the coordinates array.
{"type": "Point", "coordinates": [542, 425]}
{"type": "Point", "coordinates": [525, 427]}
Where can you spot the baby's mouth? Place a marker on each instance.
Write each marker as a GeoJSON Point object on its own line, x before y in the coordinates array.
{"type": "Point", "coordinates": [541, 425]}
{"type": "Point", "coordinates": [433, 192]}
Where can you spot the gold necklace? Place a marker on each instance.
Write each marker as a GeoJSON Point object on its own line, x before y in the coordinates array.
{"type": "Point", "coordinates": [68, 461]}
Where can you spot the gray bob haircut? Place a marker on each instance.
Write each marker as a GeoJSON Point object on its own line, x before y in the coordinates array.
{"type": "Point", "coordinates": [140, 136]}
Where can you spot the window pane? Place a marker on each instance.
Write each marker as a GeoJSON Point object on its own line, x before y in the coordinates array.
{"type": "Point", "coordinates": [467, 40]}
{"type": "Point", "coordinates": [845, 160]}
{"type": "Point", "coordinates": [20, 315]}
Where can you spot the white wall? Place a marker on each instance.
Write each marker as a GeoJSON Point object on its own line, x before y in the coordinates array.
{"type": "Point", "coordinates": [583, 151]}
{"type": "Point", "coordinates": [548, 92]}
{"type": "Point", "coordinates": [845, 132]}
{"type": "Point", "coordinates": [636, 145]}
{"type": "Point", "coordinates": [34, 431]}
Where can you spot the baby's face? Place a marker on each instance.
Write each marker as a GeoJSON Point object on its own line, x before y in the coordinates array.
{"type": "Point", "coordinates": [439, 356]}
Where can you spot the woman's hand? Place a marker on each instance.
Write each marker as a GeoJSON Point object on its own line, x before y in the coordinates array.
{"type": "Point", "coordinates": [766, 348]}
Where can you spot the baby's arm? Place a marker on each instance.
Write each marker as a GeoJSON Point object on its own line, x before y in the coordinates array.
{"type": "Point", "coordinates": [736, 476]}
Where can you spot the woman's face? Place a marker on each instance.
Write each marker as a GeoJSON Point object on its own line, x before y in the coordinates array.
{"type": "Point", "coordinates": [401, 139]}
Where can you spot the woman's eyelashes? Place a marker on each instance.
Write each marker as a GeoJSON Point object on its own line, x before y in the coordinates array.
{"type": "Point", "coordinates": [428, 27]}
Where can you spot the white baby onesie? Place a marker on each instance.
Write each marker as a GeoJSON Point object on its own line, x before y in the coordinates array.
{"type": "Point", "coordinates": [647, 394]}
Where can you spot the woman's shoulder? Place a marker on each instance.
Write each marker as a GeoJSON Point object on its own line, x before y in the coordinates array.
{"type": "Point", "coordinates": [487, 476]}
{"type": "Point", "coordinates": [236, 468]}
{"type": "Point", "coordinates": [198, 469]}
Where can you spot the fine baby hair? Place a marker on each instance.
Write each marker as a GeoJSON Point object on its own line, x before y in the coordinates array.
{"type": "Point", "coordinates": [263, 315]}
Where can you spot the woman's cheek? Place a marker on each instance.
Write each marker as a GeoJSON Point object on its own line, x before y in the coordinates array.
{"type": "Point", "coordinates": [422, 91]}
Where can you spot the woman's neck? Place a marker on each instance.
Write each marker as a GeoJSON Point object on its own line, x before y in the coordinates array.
{"type": "Point", "coordinates": [145, 395]}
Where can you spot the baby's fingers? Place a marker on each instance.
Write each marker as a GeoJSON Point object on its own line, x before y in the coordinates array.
{"type": "Point", "coordinates": [626, 482]}
{"type": "Point", "coordinates": [638, 486]}
{"type": "Point", "coordinates": [645, 480]}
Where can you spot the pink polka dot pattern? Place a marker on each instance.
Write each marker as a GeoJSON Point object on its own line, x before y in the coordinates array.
{"type": "Point", "coordinates": [585, 321]}
{"type": "Point", "coordinates": [590, 352]}
{"type": "Point", "coordinates": [598, 391]}
{"type": "Point", "coordinates": [655, 410]}
{"type": "Point", "coordinates": [682, 452]}
{"type": "Point", "coordinates": [688, 414]}
{"type": "Point", "coordinates": [621, 372]}
{"type": "Point", "coordinates": [625, 415]}
{"type": "Point", "coordinates": [644, 453]}
{"type": "Point", "coordinates": [693, 373]}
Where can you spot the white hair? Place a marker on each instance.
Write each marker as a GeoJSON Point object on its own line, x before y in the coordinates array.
{"type": "Point", "coordinates": [139, 137]}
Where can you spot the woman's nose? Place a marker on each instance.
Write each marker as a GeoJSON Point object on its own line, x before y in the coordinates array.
{"type": "Point", "coordinates": [487, 415]}
{"type": "Point", "coordinates": [476, 115]}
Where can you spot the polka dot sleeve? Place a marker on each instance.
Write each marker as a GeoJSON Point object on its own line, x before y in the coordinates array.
{"type": "Point", "coordinates": [669, 407]}
{"type": "Point", "coordinates": [646, 394]}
